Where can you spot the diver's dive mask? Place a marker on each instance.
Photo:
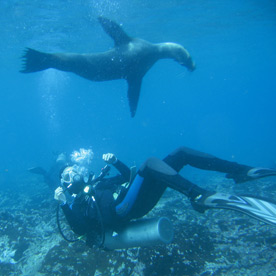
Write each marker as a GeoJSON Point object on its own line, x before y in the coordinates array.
{"type": "Point", "coordinates": [73, 178]}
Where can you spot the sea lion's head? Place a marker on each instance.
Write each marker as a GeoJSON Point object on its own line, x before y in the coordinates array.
{"type": "Point", "coordinates": [181, 55]}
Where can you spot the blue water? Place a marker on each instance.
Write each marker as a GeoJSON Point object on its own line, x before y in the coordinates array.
{"type": "Point", "coordinates": [225, 107]}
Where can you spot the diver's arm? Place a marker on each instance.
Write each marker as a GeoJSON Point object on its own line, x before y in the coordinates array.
{"type": "Point", "coordinates": [59, 195]}
{"type": "Point", "coordinates": [123, 169]}
{"type": "Point", "coordinates": [74, 218]}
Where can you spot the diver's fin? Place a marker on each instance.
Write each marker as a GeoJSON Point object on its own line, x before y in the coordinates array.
{"type": "Point", "coordinates": [114, 30]}
{"type": "Point", "coordinates": [38, 170]}
{"type": "Point", "coordinates": [133, 93]}
{"type": "Point", "coordinates": [261, 172]}
{"type": "Point", "coordinates": [258, 208]}
{"type": "Point", "coordinates": [34, 61]}
{"type": "Point", "coordinates": [254, 173]}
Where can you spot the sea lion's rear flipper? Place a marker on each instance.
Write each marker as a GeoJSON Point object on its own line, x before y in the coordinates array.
{"type": "Point", "coordinates": [114, 30]}
{"type": "Point", "coordinates": [133, 93]}
{"type": "Point", "coordinates": [34, 61]}
{"type": "Point", "coordinates": [38, 170]}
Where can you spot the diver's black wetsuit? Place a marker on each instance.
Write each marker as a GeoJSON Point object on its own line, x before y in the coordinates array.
{"type": "Point", "coordinates": [152, 179]}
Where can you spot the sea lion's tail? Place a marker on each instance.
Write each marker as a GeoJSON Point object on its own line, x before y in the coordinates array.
{"type": "Point", "coordinates": [34, 61]}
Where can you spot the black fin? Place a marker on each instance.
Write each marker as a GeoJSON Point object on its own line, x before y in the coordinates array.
{"type": "Point", "coordinates": [133, 93]}
{"type": "Point", "coordinates": [259, 208]}
{"type": "Point", "coordinates": [38, 170]}
{"type": "Point", "coordinates": [114, 30]}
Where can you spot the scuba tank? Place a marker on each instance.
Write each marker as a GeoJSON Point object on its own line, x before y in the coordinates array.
{"type": "Point", "coordinates": [142, 232]}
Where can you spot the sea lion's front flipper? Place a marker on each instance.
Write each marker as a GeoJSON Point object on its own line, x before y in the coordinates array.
{"type": "Point", "coordinates": [133, 93]}
{"type": "Point", "coordinates": [114, 30]}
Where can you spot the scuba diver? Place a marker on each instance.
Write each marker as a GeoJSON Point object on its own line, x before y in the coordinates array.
{"type": "Point", "coordinates": [103, 203]}
{"type": "Point", "coordinates": [51, 177]}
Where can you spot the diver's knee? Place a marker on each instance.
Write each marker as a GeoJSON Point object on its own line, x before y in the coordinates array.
{"type": "Point", "coordinates": [185, 152]}
{"type": "Point", "coordinates": [181, 150]}
{"type": "Point", "coordinates": [149, 163]}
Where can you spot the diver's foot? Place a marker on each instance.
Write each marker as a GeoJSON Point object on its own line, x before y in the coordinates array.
{"type": "Point", "coordinates": [199, 202]}
{"type": "Point", "coordinates": [253, 173]}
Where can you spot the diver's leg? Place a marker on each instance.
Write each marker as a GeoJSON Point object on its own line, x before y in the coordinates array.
{"type": "Point", "coordinates": [152, 179]}
{"type": "Point", "coordinates": [155, 175]}
{"type": "Point", "coordinates": [161, 172]}
{"type": "Point", "coordinates": [141, 197]}
{"type": "Point", "coordinates": [186, 156]}
{"type": "Point", "coordinates": [259, 208]}
{"type": "Point", "coordinates": [240, 173]}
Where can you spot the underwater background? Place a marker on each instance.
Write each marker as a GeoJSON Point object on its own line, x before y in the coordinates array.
{"type": "Point", "coordinates": [226, 107]}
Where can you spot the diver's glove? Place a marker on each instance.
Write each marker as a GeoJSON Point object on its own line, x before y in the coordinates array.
{"type": "Point", "coordinates": [59, 195]}
{"type": "Point", "coordinates": [109, 158]}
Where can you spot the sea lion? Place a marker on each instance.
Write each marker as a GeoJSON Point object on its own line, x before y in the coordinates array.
{"type": "Point", "coordinates": [130, 59]}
